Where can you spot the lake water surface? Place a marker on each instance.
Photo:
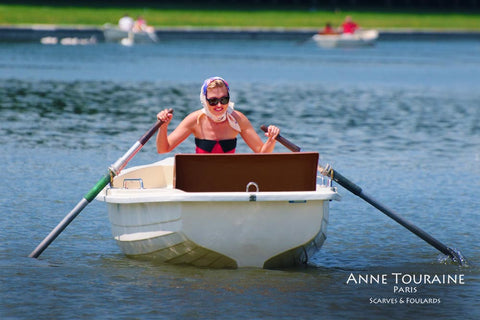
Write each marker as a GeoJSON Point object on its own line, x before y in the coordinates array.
{"type": "Point", "coordinates": [401, 119]}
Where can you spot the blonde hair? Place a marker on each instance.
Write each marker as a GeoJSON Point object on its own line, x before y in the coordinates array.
{"type": "Point", "coordinates": [217, 83]}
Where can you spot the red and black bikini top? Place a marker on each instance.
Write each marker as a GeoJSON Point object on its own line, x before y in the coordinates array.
{"type": "Point", "coordinates": [215, 146]}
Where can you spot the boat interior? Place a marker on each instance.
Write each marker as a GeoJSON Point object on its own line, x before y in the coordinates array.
{"type": "Point", "coordinates": [227, 173]}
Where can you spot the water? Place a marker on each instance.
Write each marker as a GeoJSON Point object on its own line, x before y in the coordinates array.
{"type": "Point", "coordinates": [400, 119]}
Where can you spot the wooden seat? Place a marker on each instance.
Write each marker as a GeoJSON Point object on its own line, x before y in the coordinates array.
{"type": "Point", "coordinates": [232, 172]}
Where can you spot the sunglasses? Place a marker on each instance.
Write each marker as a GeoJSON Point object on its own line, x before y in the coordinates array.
{"type": "Point", "coordinates": [215, 101]}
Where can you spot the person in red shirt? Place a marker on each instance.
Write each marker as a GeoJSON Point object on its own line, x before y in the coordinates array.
{"type": "Point", "coordinates": [140, 24]}
{"type": "Point", "coordinates": [349, 26]}
{"type": "Point", "coordinates": [328, 29]}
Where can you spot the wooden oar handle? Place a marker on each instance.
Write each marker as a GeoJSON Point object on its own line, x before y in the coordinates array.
{"type": "Point", "coordinates": [152, 130]}
{"type": "Point", "coordinates": [290, 146]}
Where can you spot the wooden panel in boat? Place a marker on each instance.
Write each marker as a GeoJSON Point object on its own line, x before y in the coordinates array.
{"type": "Point", "coordinates": [232, 172]}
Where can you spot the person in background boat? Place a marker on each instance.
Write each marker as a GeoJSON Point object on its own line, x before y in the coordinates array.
{"type": "Point", "coordinates": [328, 29]}
{"type": "Point", "coordinates": [349, 26]}
{"type": "Point", "coordinates": [215, 126]}
{"type": "Point", "coordinates": [141, 25]}
{"type": "Point", "coordinates": [126, 23]}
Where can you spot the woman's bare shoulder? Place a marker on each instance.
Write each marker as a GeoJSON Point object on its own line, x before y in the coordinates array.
{"type": "Point", "coordinates": [192, 117]}
{"type": "Point", "coordinates": [194, 114]}
{"type": "Point", "coordinates": [239, 116]}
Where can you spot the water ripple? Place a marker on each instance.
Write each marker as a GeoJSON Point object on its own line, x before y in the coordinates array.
{"type": "Point", "coordinates": [82, 113]}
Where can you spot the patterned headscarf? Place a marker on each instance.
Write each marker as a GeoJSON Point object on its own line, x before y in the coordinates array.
{"type": "Point", "coordinates": [227, 115]}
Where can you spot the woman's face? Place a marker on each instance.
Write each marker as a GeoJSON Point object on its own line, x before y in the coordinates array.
{"type": "Point", "coordinates": [219, 92]}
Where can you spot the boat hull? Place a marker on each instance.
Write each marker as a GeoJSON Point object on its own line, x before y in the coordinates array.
{"type": "Point", "coordinates": [114, 34]}
{"type": "Point", "coordinates": [214, 229]}
{"type": "Point", "coordinates": [359, 39]}
{"type": "Point", "coordinates": [224, 234]}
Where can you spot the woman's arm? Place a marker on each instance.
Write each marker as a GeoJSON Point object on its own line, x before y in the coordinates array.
{"type": "Point", "coordinates": [271, 135]}
{"type": "Point", "coordinates": [253, 140]}
{"type": "Point", "coordinates": [165, 142]}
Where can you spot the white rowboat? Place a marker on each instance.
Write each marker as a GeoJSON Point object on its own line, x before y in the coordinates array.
{"type": "Point", "coordinates": [221, 210]}
{"type": "Point", "coordinates": [114, 34]}
{"type": "Point", "coordinates": [360, 38]}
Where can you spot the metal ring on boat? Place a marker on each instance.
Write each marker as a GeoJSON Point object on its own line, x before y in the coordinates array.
{"type": "Point", "coordinates": [252, 197]}
{"type": "Point", "coordinates": [251, 183]}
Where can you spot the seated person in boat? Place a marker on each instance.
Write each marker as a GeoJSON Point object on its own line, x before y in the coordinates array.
{"type": "Point", "coordinates": [349, 26]}
{"type": "Point", "coordinates": [141, 25]}
{"type": "Point", "coordinates": [215, 126]}
{"type": "Point", "coordinates": [126, 23]}
{"type": "Point", "coordinates": [328, 29]}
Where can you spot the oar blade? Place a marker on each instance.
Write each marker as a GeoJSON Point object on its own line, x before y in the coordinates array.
{"type": "Point", "coordinates": [71, 215]}
{"type": "Point", "coordinates": [458, 257]}
{"type": "Point", "coordinates": [58, 229]}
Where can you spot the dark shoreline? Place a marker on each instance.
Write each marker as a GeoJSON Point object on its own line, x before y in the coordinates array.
{"type": "Point", "coordinates": [35, 33]}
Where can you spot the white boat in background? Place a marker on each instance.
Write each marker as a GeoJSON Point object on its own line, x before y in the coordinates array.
{"type": "Point", "coordinates": [221, 210]}
{"type": "Point", "coordinates": [360, 38]}
{"type": "Point", "coordinates": [114, 34]}
{"type": "Point", "coordinates": [69, 41]}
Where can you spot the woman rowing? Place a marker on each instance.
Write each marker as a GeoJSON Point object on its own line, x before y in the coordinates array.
{"type": "Point", "coordinates": [215, 126]}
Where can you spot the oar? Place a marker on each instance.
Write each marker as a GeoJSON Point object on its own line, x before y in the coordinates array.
{"type": "Point", "coordinates": [113, 170]}
{"type": "Point", "coordinates": [152, 35]}
{"type": "Point", "coordinates": [328, 171]}
{"type": "Point", "coordinates": [282, 140]}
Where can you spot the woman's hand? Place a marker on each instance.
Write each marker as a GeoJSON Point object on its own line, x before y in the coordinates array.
{"type": "Point", "coordinates": [165, 115]}
{"type": "Point", "coordinates": [272, 132]}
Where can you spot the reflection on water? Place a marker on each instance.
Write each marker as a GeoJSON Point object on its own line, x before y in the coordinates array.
{"type": "Point", "coordinates": [385, 117]}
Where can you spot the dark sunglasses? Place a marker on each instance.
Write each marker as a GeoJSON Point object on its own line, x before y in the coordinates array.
{"type": "Point", "coordinates": [215, 101]}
